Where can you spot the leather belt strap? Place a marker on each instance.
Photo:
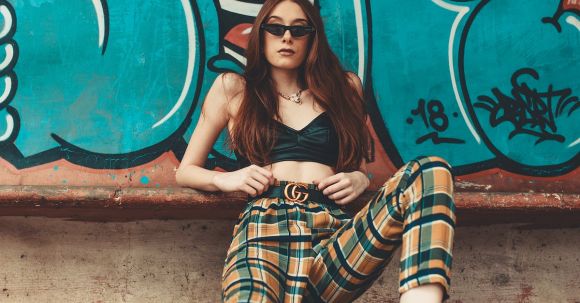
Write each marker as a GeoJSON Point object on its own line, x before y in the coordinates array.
{"type": "Point", "coordinates": [296, 192]}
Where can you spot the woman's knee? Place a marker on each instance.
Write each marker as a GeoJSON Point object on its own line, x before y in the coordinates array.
{"type": "Point", "coordinates": [432, 161]}
{"type": "Point", "coordinates": [428, 175]}
{"type": "Point", "coordinates": [422, 173]}
{"type": "Point", "coordinates": [441, 168]}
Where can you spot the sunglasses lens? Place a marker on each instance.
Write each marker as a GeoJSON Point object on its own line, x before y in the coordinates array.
{"type": "Point", "coordinates": [295, 31]}
{"type": "Point", "coordinates": [274, 29]}
{"type": "Point", "coordinates": [298, 31]}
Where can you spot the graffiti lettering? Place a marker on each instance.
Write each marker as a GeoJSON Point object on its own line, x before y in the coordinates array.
{"type": "Point", "coordinates": [433, 116]}
{"type": "Point", "coordinates": [529, 111]}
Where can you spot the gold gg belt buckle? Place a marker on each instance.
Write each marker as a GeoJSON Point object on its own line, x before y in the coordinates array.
{"type": "Point", "coordinates": [291, 192]}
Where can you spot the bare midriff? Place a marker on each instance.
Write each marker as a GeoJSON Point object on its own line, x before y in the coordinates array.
{"type": "Point", "coordinates": [299, 171]}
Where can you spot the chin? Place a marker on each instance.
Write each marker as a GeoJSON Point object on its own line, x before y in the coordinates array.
{"type": "Point", "coordinates": [285, 65]}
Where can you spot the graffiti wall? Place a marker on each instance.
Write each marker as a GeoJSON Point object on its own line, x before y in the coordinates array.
{"type": "Point", "coordinates": [108, 92]}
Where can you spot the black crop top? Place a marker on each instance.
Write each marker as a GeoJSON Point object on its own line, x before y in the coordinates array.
{"type": "Point", "coordinates": [316, 142]}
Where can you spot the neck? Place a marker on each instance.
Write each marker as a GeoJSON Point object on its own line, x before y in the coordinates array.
{"type": "Point", "coordinates": [286, 81]}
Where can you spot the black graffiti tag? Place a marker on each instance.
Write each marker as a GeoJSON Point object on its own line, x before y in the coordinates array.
{"type": "Point", "coordinates": [529, 111]}
{"type": "Point", "coordinates": [572, 6]}
{"type": "Point", "coordinates": [433, 115]}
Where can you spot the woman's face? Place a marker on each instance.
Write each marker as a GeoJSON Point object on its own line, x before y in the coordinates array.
{"type": "Point", "coordinates": [286, 51]}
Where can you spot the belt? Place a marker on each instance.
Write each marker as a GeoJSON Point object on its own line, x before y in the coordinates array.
{"type": "Point", "coordinates": [296, 192]}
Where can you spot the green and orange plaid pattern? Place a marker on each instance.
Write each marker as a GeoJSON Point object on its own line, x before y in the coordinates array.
{"type": "Point", "coordinates": [284, 251]}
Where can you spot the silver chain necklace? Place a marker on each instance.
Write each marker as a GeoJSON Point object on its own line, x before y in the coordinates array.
{"type": "Point", "coordinates": [294, 97]}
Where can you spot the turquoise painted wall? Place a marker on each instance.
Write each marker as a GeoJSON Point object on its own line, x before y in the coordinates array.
{"type": "Point", "coordinates": [113, 84]}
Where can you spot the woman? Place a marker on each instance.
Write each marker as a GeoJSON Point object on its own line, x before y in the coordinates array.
{"type": "Point", "coordinates": [297, 124]}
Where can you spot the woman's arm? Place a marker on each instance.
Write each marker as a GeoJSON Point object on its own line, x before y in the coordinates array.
{"type": "Point", "coordinates": [254, 180]}
{"type": "Point", "coordinates": [213, 119]}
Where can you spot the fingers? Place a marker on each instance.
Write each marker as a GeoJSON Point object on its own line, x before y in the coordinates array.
{"type": "Point", "coordinates": [346, 200]}
{"type": "Point", "coordinates": [259, 187]}
{"type": "Point", "coordinates": [264, 172]}
{"type": "Point", "coordinates": [341, 194]}
{"type": "Point", "coordinates": [249, 190]}
{"type": "Point", "coordinates": [260, 178]}
{"type": "Point", "coordinates": [328, 181]}
{"type": "Point", "coordinates": [255, 187]}
{"type": "Point", "coordinates": [338, 186]}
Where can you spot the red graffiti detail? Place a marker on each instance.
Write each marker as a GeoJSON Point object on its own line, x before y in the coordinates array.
{"type": "Point", "coordinates": [239, 35]}
{"type": "Point", "coordinates": [571, 5]}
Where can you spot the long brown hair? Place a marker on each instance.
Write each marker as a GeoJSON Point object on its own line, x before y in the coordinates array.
{"type": "Point", "coordinates": [253, 134]}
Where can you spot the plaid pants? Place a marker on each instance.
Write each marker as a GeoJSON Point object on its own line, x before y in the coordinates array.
{"type": "Point", "coordinates": [284, 251]}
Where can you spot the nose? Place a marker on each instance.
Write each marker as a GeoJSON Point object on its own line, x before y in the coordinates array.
{"type": "Point", "coordinates": [287, 35]}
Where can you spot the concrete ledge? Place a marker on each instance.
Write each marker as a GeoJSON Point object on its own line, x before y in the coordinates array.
{"type": "Point", "coordinates": [126, 204]}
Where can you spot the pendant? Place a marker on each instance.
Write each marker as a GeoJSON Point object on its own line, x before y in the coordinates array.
{"type": "Point", "coordinates": [295, 98]}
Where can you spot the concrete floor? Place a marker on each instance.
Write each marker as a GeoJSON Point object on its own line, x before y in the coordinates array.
{"type": "Point", "coordinates": [55, 260]}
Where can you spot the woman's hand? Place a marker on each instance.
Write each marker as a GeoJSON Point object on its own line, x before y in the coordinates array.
{"type": "Point", "coordinates": [343, 188]}
{"type": "Point", "coordinates": [253, 180]}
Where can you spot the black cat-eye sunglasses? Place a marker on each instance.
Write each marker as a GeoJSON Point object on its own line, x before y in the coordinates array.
{"type": "Point", "coordinates": [295, 30]}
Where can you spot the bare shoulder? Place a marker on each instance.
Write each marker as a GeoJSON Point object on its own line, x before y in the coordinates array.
{"type": "Point", "coordinates": [233, 86]}
{"type": "Point", "coordinates": [355, 81]}
{"type": "Point", "coordinates": [233, 83]}
{"type": "Point", "coordinates": [223, 96]}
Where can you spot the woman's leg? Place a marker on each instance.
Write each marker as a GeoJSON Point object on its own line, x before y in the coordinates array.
{"type": "Point", "coordinates": [253, 271]}
{"type": "Point", "coordinates": [414, 208]}
{"type": "Point", "coordinates": [269, 257]}
{"type": "Point", "coordinates": [253, 275]}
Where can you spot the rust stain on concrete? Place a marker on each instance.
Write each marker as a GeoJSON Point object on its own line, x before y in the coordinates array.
{"type": "Point", "coordinates": [526, 294]}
